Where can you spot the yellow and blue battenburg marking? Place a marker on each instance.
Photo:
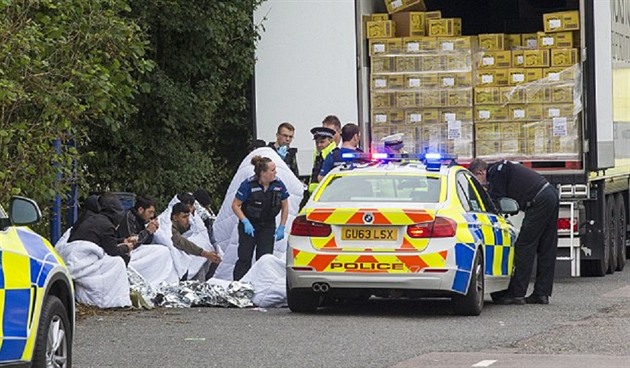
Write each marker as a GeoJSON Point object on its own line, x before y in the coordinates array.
{"type": "Point", "coordinates": [26, 259]}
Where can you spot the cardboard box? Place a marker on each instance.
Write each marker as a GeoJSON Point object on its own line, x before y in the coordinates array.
{"type": "Point", "coordinates": [433, 98]}
{"type": "Point", "coordinates": [536, 58]}
{"type": "Point", "coordinates": [407, 99]}
{"type": "Point", "coordinates": [419, 116]}
{"type": "Point", "coordinates": [406, 64]}
{"type": "Point", "coordinates": [457, 61]}
{"type": "Point", "coordinates": [559, 40]}
{"type": "Point", "coordinates": [394, 6]}
{"type": "Point", "coordinates": [494, 59]}
{"type": "Point", "coordinates": [562, 21]}
{"type": "Point", "coordinates": [524, 75]}
{"type": "Point", "coordinates": [518, 58]}
{"type": "Point", "coordinates": [381, 64]}
{"type": "Point", "coordinates": [383, 100]}
{"type": "Point", "coordinates": [563, 93]}
{"type": "Point", "coordinates": [526, 112]}
{"type": "Point", "coordinates": [430, 63]}
{"type": "Point", "coordinates": [486, 148]}
{"type": "Point", "coordinates": [459, 98]}
{"type": "Point", "coordinates": [379, 17]}
{"type": "Point", "coordinates": [388, 116]}
{"type": "Point", "coordinates": [487, 95]}
{"type": "Point", "coordinates": [529, 40]}
{"type": "Point", "coordinates": [510, 130]}
{"type": "Point", "coordinates": [487, 131]}
{"type": "Point", "coordinates": [456, 43]}
{"type": "Point", "coordinates": [538, 94]}
{"type": "Point", "coordinates": [380, 131]}
{"type": "Point", "coordinates": [455, 80]}
{"type": "Point", "coordinates": [491, 113]}
{"type": "Point", "coordinates": [510, 147]}
{"type": "Point", "coordinates": [492, 77]}
{"type": "Point", "coordinates": [380, 29]}
{"type": "Point", "coordinates": [409, 24]}
{"type": "Point", "coordinates": [387, 82]}
{"type": "Point", "coordinates": [564, 145]}
{"type": "Point", "coordinates": [560, 74]}
{"type": "Point", "coordinates": [384, 46]}
{"type": "Point", "coordinates": [513, 95]}
{"type": "Point", "coordinates": [445, 27]}
{"type": "Point", "coordinates": [415, 45]}
{"type": "Point", "coordinates": [492, 41]}
{"type": "Point", "coordinates": [465, 115]}
{"type": "Point", "coordinates": [566, 110]}
{"type": "Point", "coordinates": [421, 81]}
{"type": "Point", "coordinates": [564, 57]}
{"type": "Point", "coordinates": [513, 41]}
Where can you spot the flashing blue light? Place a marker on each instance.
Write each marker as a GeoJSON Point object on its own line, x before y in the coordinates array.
{"type": "Point", "coordinates": [349, 155]}
{"type": "Point", "coordinates": [432, 156]}
{"type": "Point", "coordinates": [380, 155]}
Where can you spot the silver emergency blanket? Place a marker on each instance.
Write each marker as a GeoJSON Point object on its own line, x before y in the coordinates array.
{"type": "Point", "coordinates": [186, 294]}
{"type": "Point", "coordinates": [225, 227]}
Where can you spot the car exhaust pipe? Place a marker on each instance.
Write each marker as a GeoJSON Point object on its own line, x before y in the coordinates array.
{"type": "Point", "coordinates": [320, 287]}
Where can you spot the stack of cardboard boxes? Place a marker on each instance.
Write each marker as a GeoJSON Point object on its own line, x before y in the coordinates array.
{"type": "Point", "coordinates": [431, 83]}
{"type": "Point", "coordinates": [422, 82]}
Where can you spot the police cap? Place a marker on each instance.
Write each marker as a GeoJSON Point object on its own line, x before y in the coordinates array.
{"type": "Point", "coordinates": [393, 140]}
{"type": "Point", "coordinates": [322, 132]}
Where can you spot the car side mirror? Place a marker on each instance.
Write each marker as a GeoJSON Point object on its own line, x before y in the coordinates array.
{"type": "Point", "coordinates": [508, 206]}
{"type": "Point", "coordinates": [23, 211]}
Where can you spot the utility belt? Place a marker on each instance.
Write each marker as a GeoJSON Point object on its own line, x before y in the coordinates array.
{"type": "Point", "coordinates": [531, 203]}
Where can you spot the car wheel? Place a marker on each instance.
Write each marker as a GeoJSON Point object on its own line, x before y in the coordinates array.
{"type": "Point", "coordinates": [620, 211]}
{"type": "Point", "coordinates": [53, 346]}
{"type": "Point", "coordinates": [471, 304]}
{"type": "Point", "coordinates": [303, 300]}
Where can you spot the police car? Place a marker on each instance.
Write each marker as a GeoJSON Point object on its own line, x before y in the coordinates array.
{"type": "Point", "coordinates": [36, 294]}
{"type": "Point", "coordinates": [410, 228]}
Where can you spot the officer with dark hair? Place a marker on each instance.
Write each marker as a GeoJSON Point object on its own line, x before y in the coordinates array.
{"type": "Point", "coordinates": [351, 136]}
{"type": "Point", "coordinates": [538, 236]}
{"type": "Point", "coordinates": [258, 201]}
{"type": "Point", "coordinates": [139, 221]}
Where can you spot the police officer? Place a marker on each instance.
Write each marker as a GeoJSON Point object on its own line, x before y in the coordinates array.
{"type": "Point", "coordinates": [394, 143]}
{"type": "Point", "coordinates": [258, 200]}
{"type": "Point", "coordinates": [284, 137]}
{"type": "Point", "coordinates": [324, 145]}
{"type": "Point", "coordinates": [350, 136]}
{"type": "Point", "coordinates": [538, 235]}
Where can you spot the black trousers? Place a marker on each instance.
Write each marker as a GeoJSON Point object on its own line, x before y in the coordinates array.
{"type": "Point", "coordinates": [263, 241]}
{"type": "Point", "coordinates": [538, 238]}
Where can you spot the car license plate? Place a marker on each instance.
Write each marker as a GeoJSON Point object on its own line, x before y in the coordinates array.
{"type": "Point", "coordinates": [368, 233]}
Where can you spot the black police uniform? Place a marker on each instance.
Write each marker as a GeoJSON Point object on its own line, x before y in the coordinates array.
{"type": "Point", "coordinates": [290, 159]}
{"type": "Point", "coordinates": [261, 208]}
{"type": "Point", "coordinates": [539, 233]}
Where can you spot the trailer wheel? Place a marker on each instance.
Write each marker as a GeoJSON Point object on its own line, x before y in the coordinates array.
{"type": "Point", "coordinates": [612, 231]}
{"type": "Point", "coordinates": [620, 215]}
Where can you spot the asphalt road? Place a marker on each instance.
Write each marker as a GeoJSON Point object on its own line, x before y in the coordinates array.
{"type": "Point", "coordinates": [587, 324]}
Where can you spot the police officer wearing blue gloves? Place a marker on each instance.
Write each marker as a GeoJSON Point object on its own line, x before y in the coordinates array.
{"type": "Point", "coordinates": [258, 201]}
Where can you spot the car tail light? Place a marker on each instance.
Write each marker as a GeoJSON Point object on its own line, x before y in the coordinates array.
{"type": "Point", "coordinates": [566, 224]}
{"type": "Point", "coordinates": [441, 227]}
{"type": "Point", "coordinates": [303, 227]}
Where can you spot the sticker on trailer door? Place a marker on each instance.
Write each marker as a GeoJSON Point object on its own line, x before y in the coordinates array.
{"type": "Point", "coordinates": [454, 129]}
{"type": "Point", "coordinates": [559, 127]}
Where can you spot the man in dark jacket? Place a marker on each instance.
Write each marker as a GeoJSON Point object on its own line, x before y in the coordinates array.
{"type": "Point", "coordinates": [98, 225]}
{"type": "Point", "coordinates": [139, 221]}
{"type": "Point", "coordinates": [284, 137]}
{"type": "Point", "coordinates": [538, 237]}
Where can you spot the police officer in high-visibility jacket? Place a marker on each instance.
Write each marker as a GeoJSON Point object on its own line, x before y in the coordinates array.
{"type": "Point", "coordinates": [258, 201]}
{"type": "Point", "coordinates": [324, 145]}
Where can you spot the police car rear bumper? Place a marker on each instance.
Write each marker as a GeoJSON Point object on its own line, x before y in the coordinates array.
{"type": "Point", "coordinates": [411, 281]}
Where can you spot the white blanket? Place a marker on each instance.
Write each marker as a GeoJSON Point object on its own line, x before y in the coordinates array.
{"type": "Point", "coordinates": [225, 226]}
{"type": "Point", "coordinates": [267, 276]}
{"type": "Point", "coordinates": [99, 279]}
{"type": "Point", "coordinates": [154, 263]}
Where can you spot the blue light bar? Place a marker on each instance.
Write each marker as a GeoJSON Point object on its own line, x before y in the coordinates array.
{"type": "Point", "coordinates": [432, 156]}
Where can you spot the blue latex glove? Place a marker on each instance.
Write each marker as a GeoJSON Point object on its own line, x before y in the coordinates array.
{"type": "Point", "coordinates": [282, 151]}
{"type": "Point", "coordinates": [280, 233]}
{"type": "Point", "coordinates": [248, 227]}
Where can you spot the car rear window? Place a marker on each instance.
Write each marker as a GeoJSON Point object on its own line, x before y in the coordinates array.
{"type": "Point", "coordinates": [418, 188]}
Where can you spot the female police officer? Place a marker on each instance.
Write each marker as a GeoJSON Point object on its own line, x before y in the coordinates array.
{"type": "Point", "coordinates": [258, 200]}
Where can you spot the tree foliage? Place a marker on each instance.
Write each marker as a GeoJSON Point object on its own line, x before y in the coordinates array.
{"type": "Point", "coordinates": [194, 120]}
{"type": "Point", "coordinates": [66, 67]}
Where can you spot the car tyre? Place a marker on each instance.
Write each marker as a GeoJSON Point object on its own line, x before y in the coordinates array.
{"type": "Point", "coordinates": [53, 346]}
{"type": "Point", "coordinates": [303, 300]}
{"type": "Point", "coordinates": [471, 304]}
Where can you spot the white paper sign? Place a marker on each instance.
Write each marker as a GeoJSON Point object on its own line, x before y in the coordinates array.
{"type": "Point", "coordinates": [381, 118]}
{"type": "Point", "coordinates": [555, 23]}
{"type": "Point", "coordinates": [547, 41]}
{"type": "Point", "coordinates": [484, 114]}
{"type": "Point", "coordinates": [520, 59]}
{"type": "Point", "coordinates": [415, 118]}
{"type": "Point", "coordinates": [449, 116]}
{"type": "Point", "coordinates": [532, 44]}
{"type": "Point", "coordinates": [487, 78]}
{"type": "Point", "coordinates": [379, 48]}
{"type": "Point", "coordinates": [554, 77]}
{"type": "Point", "coordinates": [413, 47]}
{"type": "Point", "coordinates": [396, 4]}
{"type": "Point", "coordinates": [380, 83]}
{"type": "Point", "coordinates": [454, 129]}
{"type": "Point", "coordinates": [447, 46]}
{"type": "Point", "coordinates": [448, 82]}
{"type": "Point", "coordinates": [519, 114]}
{"type": "Point", "coordinates": [552, 113]}
{"type": "Point", "coordinates": [487, 60]}
{"type": "Point", "coordinates": [414, 82]}
{"type": "Point", "coordinates": [559, 127]}
{"type": "Point", "coordinates": [517, 78]}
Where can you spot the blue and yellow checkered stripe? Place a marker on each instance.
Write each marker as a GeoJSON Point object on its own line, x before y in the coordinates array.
{"type": "Point", "coordinates": [26, 259]}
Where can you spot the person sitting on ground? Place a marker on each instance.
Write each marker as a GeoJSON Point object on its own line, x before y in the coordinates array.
{"type": "Point", "coordinates": [139, 221]}
{"type": "Point", "coordinates": [180, 217]}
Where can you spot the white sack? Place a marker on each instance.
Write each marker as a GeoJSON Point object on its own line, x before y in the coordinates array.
{"type": "Point", "coordinates": [268, 277]}
{"type": "Point", "coordinates": [225, 226]}
{"type": "Point", "coordinates": [99, 279]}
